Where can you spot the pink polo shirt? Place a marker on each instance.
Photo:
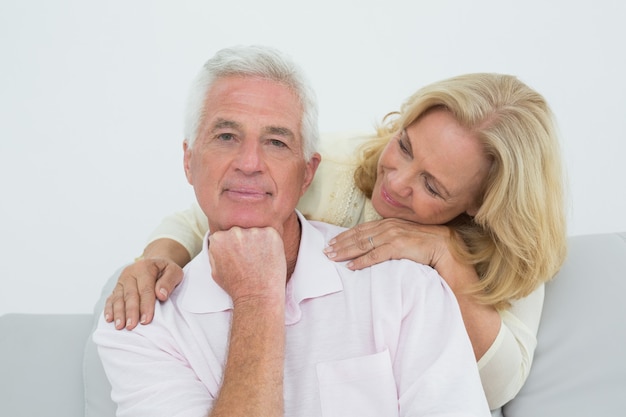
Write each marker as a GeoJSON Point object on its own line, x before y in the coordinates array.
{"type": "Point", "coordinates": [384, 341]}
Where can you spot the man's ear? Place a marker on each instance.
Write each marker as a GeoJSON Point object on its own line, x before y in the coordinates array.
{"type": "Point", "coordinates": [187, 161]}
{"type": "Point", "coordinates": [311, 168]}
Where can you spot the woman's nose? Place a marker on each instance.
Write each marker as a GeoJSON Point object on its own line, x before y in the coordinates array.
{"type": "Point", "coordinates": [401, 183]}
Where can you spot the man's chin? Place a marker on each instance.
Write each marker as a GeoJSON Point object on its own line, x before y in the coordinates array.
{"type": "Point", "coordinates": [246, 222]}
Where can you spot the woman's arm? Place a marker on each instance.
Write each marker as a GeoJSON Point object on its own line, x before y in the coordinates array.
{"type": "Point", "coordinates": [186, 227]}
{"type": "Point", "coordinates": [505, 366]}
{"type": "Point", "coordinates": [159, 269]}
{"type": "Point", "coordinates": [132, 300]}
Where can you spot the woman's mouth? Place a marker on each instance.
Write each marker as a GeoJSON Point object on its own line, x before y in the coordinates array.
{"type": "Point", "coordinates": [388, 199]}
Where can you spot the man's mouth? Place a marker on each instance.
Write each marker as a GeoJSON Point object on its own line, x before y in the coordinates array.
{"type": "Point", "coordinates": [246, 194]}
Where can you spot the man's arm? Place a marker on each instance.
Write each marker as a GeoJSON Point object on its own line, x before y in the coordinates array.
{"type": "Point", "coordinates": [253, 377]}
{"type": "Point", "coordinates": [439, 376]}
{"type": "Point", "coordinates": [250, 265]}
{"type": "Point", "coordinates": [149, 375]}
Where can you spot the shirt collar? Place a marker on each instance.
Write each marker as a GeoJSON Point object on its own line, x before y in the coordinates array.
{"type": "Point", "coordinates": [314, 275]}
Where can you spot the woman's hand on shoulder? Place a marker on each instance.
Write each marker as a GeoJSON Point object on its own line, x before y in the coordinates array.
{"type": "Point", "coordinates": [377, 241]}
{"type": "Point", "coordinates": [139, 285]}
{"type": "Point", "coordinates": [374, 242]}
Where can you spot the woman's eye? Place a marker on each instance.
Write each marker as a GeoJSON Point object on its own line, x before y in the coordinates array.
{"type": "Point", "coordinates": [431, 190]}
{"type": "Point", "coordinates": [403, 147]}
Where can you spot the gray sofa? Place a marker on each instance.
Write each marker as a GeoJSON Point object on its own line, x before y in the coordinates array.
{"type": "Point", "coordinates": [579, 367]}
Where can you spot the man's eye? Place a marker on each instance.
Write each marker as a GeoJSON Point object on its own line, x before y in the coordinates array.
{"type": "Point", "coordinates": [277, 143]}
{"type": "Point", "coordinates": [225, 136]}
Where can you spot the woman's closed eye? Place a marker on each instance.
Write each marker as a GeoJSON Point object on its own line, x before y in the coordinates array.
{"type": "Point", "coordinates": [404, 147]}
{"type": "Point", "coordinates": [432, 190]}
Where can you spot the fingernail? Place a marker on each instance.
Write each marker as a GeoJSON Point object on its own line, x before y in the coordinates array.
{"type": "Point", "coordinates": [350, 265]}
{"type": "Point", "coordinates": [107, 317]}
{"type": "Point", "coordinates": [332, 242]}
{"type": "Point", "coordinates": [118, 322]}
{"type": "Point", "coordinates": [331, 255]}
{"type": "Point", "coordinates": [163, 291]}
{"type": "Point", "coordinates": [143, 319]}
{"type": "Point", "coordinates": [129, 322]}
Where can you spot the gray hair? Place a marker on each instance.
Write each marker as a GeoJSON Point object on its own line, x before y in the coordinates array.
{"type": "Point", "coordinates": [254, 61]}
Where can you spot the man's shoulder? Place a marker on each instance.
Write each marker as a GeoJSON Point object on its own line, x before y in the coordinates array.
{"type": "Point", "coordinates": [328, 230]}
{"type": "Point", "coordinates": [405, 270]}
{"type": "Point", "coordinates": [398, 269]}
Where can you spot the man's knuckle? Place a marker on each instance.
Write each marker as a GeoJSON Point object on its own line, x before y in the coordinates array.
{"type": "Point", "coordinates": [146, 292]}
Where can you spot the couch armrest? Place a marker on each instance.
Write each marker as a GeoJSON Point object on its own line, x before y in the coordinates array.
{"type": "Point", "coordinates": [41, 364]}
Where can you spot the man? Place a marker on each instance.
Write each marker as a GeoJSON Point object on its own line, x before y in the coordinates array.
{"type": "Point", "coordinates": [264, 323]}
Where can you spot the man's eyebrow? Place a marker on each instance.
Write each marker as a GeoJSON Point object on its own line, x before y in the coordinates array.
{"type": "Point", "coordinates": [225, 123]}
{"type": "Point", "coordinates": [280, 131]}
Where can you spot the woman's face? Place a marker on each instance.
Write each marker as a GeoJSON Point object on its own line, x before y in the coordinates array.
{"type": "Point", "coordinates": [431, 172]}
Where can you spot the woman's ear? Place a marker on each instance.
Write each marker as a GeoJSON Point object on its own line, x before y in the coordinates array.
{"type": "Point", "coordinates": [472, 211]}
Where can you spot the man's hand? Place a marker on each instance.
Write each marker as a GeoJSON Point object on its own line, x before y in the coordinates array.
{"type": "Point", "coordinates": [249, 264]}
{"type": "Point", "coordinates": [132, 300]}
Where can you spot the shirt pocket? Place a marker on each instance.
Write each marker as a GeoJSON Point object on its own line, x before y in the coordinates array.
{"type": "Point", "coordinates": [363, 386]}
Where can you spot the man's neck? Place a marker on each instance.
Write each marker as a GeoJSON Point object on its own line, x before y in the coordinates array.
{"type": "Point", "coordinates": [291, 240]}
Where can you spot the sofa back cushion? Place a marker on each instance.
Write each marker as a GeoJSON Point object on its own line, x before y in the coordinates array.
{"type": "Point", "coordinates": [39, 371]}
{"type": "Point", "coordinates": [98, 402]}
{"type": "Point", "coordinates": [580, 362]}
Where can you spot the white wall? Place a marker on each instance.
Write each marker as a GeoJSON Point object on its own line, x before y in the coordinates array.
{"type": "Point", "coordinates": [91, 101]}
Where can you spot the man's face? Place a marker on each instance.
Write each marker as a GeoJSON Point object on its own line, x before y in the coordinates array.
{"type": "Point", "coordinates": [247, 166]}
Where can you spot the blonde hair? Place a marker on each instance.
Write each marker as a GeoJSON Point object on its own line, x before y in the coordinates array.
{"type": "Point", "coordinates": [517, 240]}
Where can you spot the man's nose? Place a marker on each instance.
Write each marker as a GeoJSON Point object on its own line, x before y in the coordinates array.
{"type": "Point", "coordinates": [250, 157]}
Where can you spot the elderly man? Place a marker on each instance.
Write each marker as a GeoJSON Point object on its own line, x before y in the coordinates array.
{"type": "Point", "coordinates": [264, 323]}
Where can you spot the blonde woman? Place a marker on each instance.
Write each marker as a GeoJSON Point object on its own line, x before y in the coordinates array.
{"type": "Point", "coordinates": [466, 178]}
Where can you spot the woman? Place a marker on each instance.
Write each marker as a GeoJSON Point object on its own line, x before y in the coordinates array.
{"type": "Point", "coordinates": [466, 177]}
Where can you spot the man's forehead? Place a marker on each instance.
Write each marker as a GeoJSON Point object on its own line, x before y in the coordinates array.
{"type": "Point", "coordinates": [237, 97]}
